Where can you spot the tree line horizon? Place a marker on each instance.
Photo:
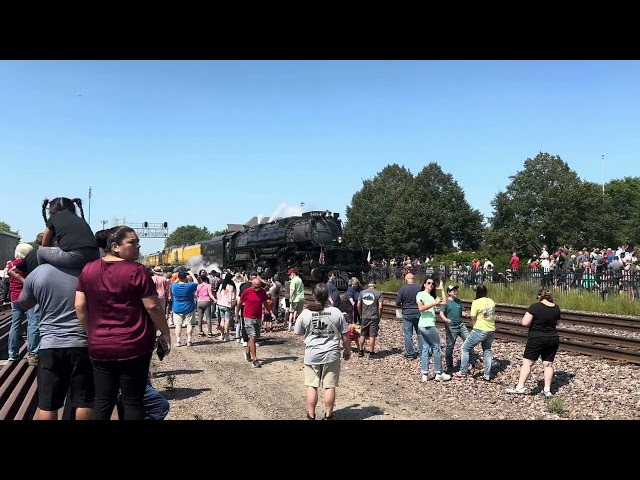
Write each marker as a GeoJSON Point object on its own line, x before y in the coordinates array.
{"type": "Point", "coordinates": [545, 204]}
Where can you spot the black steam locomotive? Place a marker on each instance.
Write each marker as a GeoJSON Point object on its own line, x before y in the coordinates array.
{"type": "Point", "coordinates": [313, 244]}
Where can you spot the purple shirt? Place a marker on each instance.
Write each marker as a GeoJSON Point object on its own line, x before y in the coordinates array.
{"type": "Point", "coordinates": [120, 327]}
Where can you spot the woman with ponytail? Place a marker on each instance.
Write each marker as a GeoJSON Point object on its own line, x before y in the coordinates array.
{"type": "Point", "coordinates": [73, 235]}
{"type": "Point", "coordinates": [543, 342]}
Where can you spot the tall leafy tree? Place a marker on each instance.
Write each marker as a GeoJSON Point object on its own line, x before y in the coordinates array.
{"type": "Point", "coordinates": [625, 207]}
{"type": "Point", "coordinates": [445, 217]}
{"type": "Point", "coordinates": [367, 216]}
{"type": "Point", "coordinates": [546, 203]}
{"type": "Point", "coordinates": [187, 235]}
{"type": "Point", "coordinates": [5, 227]}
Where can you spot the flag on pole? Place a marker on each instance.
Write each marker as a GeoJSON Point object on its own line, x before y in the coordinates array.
{"type": "Point", "coordinates": [369, 257]}
{"type": "Point", "coordinates": [321, 259]}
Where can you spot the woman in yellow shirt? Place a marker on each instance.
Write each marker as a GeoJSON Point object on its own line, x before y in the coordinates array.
{"type": "Point", "coordinates": [484, 329]}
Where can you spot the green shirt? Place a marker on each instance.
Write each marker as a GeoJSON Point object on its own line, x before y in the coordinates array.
{"type": "Point", "coordinates": [296, 289]}
{"type": "Point", "coordinates": [427, 317]}
{"type": "Point", "coordinates": [453, 311]}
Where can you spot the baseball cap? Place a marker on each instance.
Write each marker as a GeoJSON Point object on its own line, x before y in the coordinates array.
{"type": "Point", "coordinates": [290, 271]}
{"type": "Point", "coordinates": [452, 287]}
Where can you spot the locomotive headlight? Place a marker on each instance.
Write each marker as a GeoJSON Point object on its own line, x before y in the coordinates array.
{"type": "Point", "coordinates": [339, 239]}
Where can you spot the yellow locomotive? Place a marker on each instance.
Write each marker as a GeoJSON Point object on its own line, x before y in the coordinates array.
{"type": "Point", "coordinates": [172, 256]}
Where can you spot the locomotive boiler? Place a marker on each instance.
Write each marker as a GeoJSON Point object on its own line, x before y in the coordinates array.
{"type": "Point", "coordinates": [312, 243]}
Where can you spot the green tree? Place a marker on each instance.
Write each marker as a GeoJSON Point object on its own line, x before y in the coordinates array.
{"type": "Point", "coordinates": [218, 233]}
{"type": "Point", "coordinates": [547, 204]}
{"type": "Point", "coordinates": [187, 235]}
{"type": "Point", "coordinates": [446, 219]}
{"type": "Point", "coordinates": [625, 207]}
{"type": "Point", "coordinates": [5, 227]}
{"type": "Point", "coordinates": [367, 216]}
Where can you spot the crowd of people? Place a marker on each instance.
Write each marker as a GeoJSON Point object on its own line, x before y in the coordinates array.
{"type": "Point", "coordinates": [96, 316]}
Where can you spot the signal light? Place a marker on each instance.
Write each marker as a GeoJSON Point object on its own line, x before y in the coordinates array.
{"type": "Point", "coordinates": [146, 224]}
{"type": "Point", "coordinates": [164, 225]}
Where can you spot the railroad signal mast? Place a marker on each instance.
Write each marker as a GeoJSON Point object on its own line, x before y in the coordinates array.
{"type": "Point", "coordinates": [150, 230]}
{"type": "Point", "coordinates": [144, 229]}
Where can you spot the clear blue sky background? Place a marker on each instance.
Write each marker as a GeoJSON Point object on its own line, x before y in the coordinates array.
{"type": "Point", "coordinates": [171, 140]}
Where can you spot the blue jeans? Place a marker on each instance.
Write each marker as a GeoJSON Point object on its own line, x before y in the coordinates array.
{"type": "Point", "coordinates": [409, 325]}
{"type": "Point", "coordinates": [452, 333]}
{"type": "Point", "coordinates": [476, 337]}
{"type": "Point", "coordinates": [18, 314]}
{"type": "Point", "coordinates": [33, 329]}
{"type": "Point", "coordinates": [156, 407]}
{"type": "Point", "coordinates": [430, 341]}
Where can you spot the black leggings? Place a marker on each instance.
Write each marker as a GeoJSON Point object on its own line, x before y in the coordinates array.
{"type": "Point", "coordinates": [129, 377]}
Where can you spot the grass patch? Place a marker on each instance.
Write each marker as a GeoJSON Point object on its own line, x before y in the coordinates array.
{"type": "Point", "coordinates": [170, 382]}
{"type": "Point", "coordinates": [524, 293]}
{"type": "Point", "coordinates": [556, 405]}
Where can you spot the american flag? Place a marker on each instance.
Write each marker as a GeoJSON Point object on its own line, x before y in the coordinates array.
{"type": "Point", "coordinates": [321, 259]}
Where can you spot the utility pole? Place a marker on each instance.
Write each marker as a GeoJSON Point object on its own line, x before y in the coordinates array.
{"type": "Point", "coordinates": [89, 205]}
{"type": "Point", "coordinates": [603, 175]}
{"type": "Point", "coordinates": [104, 223]}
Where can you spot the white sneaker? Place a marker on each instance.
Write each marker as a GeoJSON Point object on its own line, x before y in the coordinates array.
{"type": "Point", "coordinates": [547, 393]}
{"type": "Point", "coordinates": [517, 389]}
{"type": "Point", "coordinates": [443, 377]}
{"type": "Point", "coordinates": [245, 344]}
{"type": "Point", "coordinates": [239, 340]}
{"type": "Point", "coordinates": [425, 378]}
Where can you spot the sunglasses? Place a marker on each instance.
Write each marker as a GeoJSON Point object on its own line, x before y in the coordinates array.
{"type": "Point", "coordinates": [429, 283]}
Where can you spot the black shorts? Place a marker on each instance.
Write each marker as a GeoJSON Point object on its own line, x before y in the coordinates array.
{"type": "Point", "coordinates": [62, 371]}
{"type": "Point", "coordinates": [545, 347]}
{"type": "Point", "coordinates": [370, 327]}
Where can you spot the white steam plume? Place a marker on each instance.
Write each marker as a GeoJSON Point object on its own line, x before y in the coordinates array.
{"type": "Point", "coordinates": [195, 264]}
{"type": "Point", "coordinates": [284, 211]}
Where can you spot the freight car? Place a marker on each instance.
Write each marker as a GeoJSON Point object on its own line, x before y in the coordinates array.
{"type": "Point", "coordinates": [312, 243]}
{"type": "Point", "coordinates": [172, 256]}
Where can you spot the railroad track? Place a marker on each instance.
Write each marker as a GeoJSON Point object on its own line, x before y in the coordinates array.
{"type": "Point", "coordinates": [604, 345]}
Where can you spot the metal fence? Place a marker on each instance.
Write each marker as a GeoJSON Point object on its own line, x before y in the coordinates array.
{"type": "Point", "coordinates": [600, 279]}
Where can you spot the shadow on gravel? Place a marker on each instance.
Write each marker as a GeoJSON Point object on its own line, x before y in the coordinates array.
{"type": "Point", "coordinates": [270, 341]}
{"type": "Point", "coordinates": [380, 353]}
{"type": "Point", "coordinates": [176, 372]}
{"type": "Point", "coordinates": [560, 379]}
{"type": "Point", "coordinates": [183, 393]}
{"type": "Point", "coordinates": [357, 412]}
{"type": "Point", "coordinates": [498, 365]}
{"type": "Point", "coordinates": [267, 361]}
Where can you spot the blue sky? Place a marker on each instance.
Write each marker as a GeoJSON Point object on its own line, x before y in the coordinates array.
{"type": "Point", "coordinates": [171, 140]}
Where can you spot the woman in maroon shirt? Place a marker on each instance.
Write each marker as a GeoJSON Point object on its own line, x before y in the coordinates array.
{"type": "Point", "coordinates": [117, 304]}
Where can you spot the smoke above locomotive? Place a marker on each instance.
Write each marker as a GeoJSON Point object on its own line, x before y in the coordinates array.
{"type": "Point", "coordinates": [312, 243]}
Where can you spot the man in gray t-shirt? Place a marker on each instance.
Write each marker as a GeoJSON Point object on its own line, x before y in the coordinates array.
{"type": "Point", "coordinates": [63, 363]}
{"type": "Point", "coordinates": [370, 309]}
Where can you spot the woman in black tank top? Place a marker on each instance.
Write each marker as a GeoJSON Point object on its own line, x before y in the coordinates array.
{"type": "Point", "coordinates": [543, 342]}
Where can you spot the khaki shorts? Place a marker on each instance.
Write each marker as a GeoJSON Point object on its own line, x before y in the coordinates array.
{"type": "Point", "coordinates": [184, 319]}
{"type": "Point", "coordinates": [326, 375]}
{"type": "Point", "coordinates": [297, 307]}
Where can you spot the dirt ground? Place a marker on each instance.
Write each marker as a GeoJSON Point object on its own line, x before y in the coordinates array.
{"type": "Point", "coordinates": [212, 380]}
